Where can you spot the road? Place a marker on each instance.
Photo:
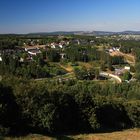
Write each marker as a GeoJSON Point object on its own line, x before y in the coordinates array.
{"type": "Point", "coordinates": [115, 77]}
{"type": "Point", "coordinates": [64, 77]}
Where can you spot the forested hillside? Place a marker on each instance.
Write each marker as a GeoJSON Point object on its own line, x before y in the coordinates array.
{"type": "Point", "coordinates": [60, 90]}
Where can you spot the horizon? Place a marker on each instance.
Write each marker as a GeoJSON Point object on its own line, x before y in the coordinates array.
{"type": "Point", "coordinates": [68, 32]}
{"type": "Point", "coordinates": [23, 17]}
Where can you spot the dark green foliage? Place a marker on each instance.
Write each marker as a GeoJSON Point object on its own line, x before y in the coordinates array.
{"type": "Point", "coordinates": [112, 114]}
{"type": "Point", "coordinates": [137, 67]}
{"type": "Point", "coordinates": [84, 74]}
{"type": "Point", "coordinates": [129, 46]}
{"type": "Point", "coordinates": [132, 69]}
{"type": "Point", "coordinates": [127, 76]}
{"type": "Point", "coordinates": [56, 70]}
{"type": "Point", "coordinates": [126, 49]}
{"type": "Point", "coordinates": [53, 55]}
{"type": "Point", "coordinates": [133, 111]}
{"type": "Point", "coordinates": [66, 114]}
{"type": "Point", "coordinates": [80, 74]}
{"type": "Point", "coordinates": [8, 43]}
{"type": "Point", "coordinates": [65, 108]}
{"type": "Point", "coordinates": [49, 112]}
{"type": "Point", "coordinates": [82, 53]}
{"type": "Point", "coordinates": [9, 110]}
{"type": "Point", "coordinates": [115, 60]}
{"type": "Point", "coordinates": [37, 68]}
{"type": "Point", "coordinates": [89, 121]}
{"type": "Point", "coordinates": [137, 54]}
{"type": "Point", "coordinates": [4, 131]}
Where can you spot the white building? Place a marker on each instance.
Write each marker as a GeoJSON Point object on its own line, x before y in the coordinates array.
{"type": "Point", "coordinates": [33, 51]}
{"type": "Point", "coordinates": [0, 58]}
{"type": "Point", "coordinates": [60, 45]}
{"type": "Point", "coordinates": [53, 45]}
{"type": "Point", "coordinates": [127, 68]}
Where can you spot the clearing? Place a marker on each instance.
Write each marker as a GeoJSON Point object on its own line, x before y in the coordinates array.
{"type": "Point", "coordinates": [128, 57]}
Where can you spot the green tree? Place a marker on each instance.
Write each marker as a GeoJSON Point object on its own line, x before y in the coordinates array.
{"type": "Point", "coordinates": [137, 67]}
{"type": "Point", "coordinates": [9, 116]}
{"type": "Point", "coordinates": [133, 110]}
{"type": "Point", "coordinates": [127, 76]}
{"type": "Point", "coordinates": [80, 73]}
{"type": "Point", "coordinates": [53, 55]}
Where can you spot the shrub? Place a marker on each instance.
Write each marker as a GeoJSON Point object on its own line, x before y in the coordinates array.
{"type": "Point", "coordinates": [133, 110]}
{"type": "Point", "coordinates": [4, 131]}
{"type": "Point", "coordinates": [112, 114]}
{"type": "Point", "coordinates": [9, 111]}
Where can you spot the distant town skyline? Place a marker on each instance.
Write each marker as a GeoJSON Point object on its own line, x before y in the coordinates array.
{"type": "Point", "coordinates": [27, 16]}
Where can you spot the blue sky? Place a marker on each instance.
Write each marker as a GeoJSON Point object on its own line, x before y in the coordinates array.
{"type": "Point", "coordinates": [24, 16]}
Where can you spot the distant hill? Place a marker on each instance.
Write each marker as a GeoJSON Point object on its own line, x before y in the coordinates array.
{"type": "Point", "coordinates": [131, 32]}
{"type": "Point", "coordinates": [55, 33]}
{"type": "Point", "coordinates": [90, 33]}
{"type": "Point", "coordinates": [96, 33]}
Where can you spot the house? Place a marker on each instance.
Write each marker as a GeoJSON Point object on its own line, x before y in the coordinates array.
{"type": "Point", "coordinates": [67, 43]}
{"type": "Point", "coordinates": [92, 42]}
{"type": "Point", "coordinates": [111, 50]}
{"type": "Point", "coordinates": [118, 49]}
{"type": "Point", "coordinates": [53, 45]}
{"type": "Point", "coordinates": [119, 71]}
{"type": "Point", "coordinates": [62, 55]}
{"type": "Point", "coordinates": [127, 68]}
{"type": "Point", "coordinates": [0, 58]}
{"type": "Point", "coordinates": [60, 45]}
{"type": "Point", "coordinates": [76, 41]}
{"type": "Point", "coordinates": [21, 59]}
{"type": "Point", "coordinates": [33, 50]}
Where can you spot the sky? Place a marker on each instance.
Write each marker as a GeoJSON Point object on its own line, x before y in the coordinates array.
{"type": "Point", "coordinates": [26, 16]}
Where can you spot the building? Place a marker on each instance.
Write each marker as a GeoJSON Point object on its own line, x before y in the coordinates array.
{"type": "Point", "coordinates": [127, 68]}
{"type": "Point", "coordinates": [0, 58]}
{"type": "Point", "coordinates": [33, 50]}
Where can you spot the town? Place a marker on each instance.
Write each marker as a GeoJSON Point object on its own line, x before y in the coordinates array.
{"type": "Point", "coordinates": [62, 56]}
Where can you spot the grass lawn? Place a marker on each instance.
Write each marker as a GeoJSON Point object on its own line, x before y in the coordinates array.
{"type": "Point", "coordinates": [131, 134]}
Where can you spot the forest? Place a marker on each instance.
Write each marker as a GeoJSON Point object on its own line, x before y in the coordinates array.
{"type": "Point", "coordinates": [68, 107]}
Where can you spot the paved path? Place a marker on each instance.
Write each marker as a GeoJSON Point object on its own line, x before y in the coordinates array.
{"type": "Point", "coordinates": [115, 77]}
